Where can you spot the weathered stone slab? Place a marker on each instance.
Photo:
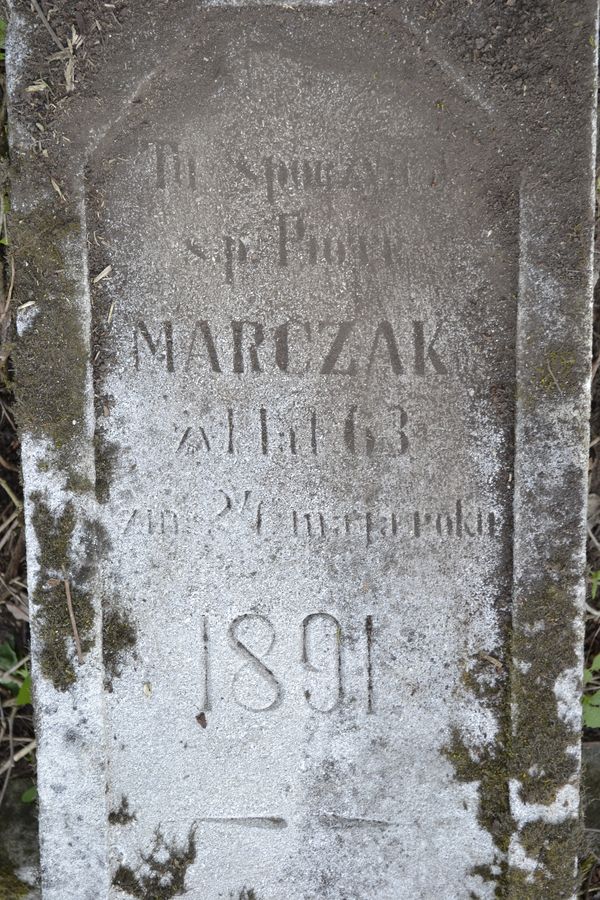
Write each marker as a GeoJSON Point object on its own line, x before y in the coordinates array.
{"type": "Point", "coordinates": [304, 363]}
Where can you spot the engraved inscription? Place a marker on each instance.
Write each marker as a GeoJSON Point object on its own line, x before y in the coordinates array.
{"type": "Point", "coordinates": [278, 178]}
{"type": "Point", "coordinates": [257, 688]}
{"type": "Point", "coordinates": [294, 348]}
{"type": "Point", "coordinates": [240, 635]}
{"type": "Point", "coordinates": [263, 432]}
{"type": "Point", "coordinates": [330, 667]}
{"type": "Point", "coordinates": [174, 167]}
{"type": "Point", "coordinates": [458, 522]}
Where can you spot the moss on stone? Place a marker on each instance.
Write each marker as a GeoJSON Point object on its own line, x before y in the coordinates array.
{"type": "Point", "coordinates": [554, 847]}
{"type": "Point", "coordinates": [122, 815]}
{"type": "Point", "coordinates": [534, 746]}
{"type": "Point", "coordinates": [78, 483]}
{"type": "Point", "coordinates": [52, 357]}
{"type": "Point", "coordinates": [554, 375]}
{"type": "Point", "coordinates": [119, 636]}
{"type": "Point", "coordinates": [11, 887]}
{"type": "Point", "coordinates": [158, 879]}
{"type": "Point", "coordinates": [490, 770]}
{"type": "Point", "coordinates": [105, 454]}
{"type": "Point", "coordinates": [544, 647]}
{"type": "Point", "coordinates": [55, 535]}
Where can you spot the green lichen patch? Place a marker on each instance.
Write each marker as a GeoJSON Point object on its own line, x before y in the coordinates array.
{"type": "Point", "coordinates": [119, 637]}
{"type": "Point", "coordinates": [534, 748]}
{"type": "Point", "coordinates": [52, 355]}
{"type": "Point", "coordinates": [556, 374]}
{"type": "Point", "coordinates": [78, 483]}
{"type": "Point", "coordinates": [490, 770]}
{"type": "Point", "coordinates": [11, 887]}
{"type": "Point", "coordinates": [122, 815]}
{"type": "Point", "coordinates": [55, 536]}
{"type": "Point", "coordinates": [96, 541]}
{"type": "Point", "coordinates": [553, 847]}
{"type": "Point", "coordinates": [105, 454]}
{"type": "Point", "coordinates": [162, 873]}
{"type": "Point", "coordinates": [544, 647]}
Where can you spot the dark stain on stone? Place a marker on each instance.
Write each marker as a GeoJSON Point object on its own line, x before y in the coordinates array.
{"type": "Point", "coordinates": [105, 455]}
{"type": "Point", "coordinates": [52, 356]}
{"type": "Point", "coordinates": [55, 533]}
{"type": "Point", "coordinates": [122, 815]}
{"type": "Point", "coordinates": [534, 747]}
{"type": "Point", "coordinates": [119, 637]}
{"type": "Point", "coordinates": [160, 880]}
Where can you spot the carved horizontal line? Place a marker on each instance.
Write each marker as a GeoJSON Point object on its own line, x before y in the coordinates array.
{"type": "Point", "coordinates": [335, 821]}
{"type": "Point", "coordinates": [330, 820]}
{"type": "Point", "coordinates": [248, 821]}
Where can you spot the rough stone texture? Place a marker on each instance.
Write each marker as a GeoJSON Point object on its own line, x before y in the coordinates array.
{"type": "Point", "coordinates": [590, 778]}
{"type": "Point", "coordinates": [304, 367]}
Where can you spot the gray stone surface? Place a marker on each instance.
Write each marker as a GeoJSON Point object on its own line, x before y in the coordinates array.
{"type": "Point", "coordinates": [304, 367]}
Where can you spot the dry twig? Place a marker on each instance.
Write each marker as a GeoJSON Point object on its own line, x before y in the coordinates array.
{"type": "Point", "coordinates": [47, 25]}
{"type": "Point", "coordinates": [73, 622]}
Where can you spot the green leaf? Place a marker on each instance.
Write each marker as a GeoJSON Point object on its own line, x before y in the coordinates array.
{"type": "Point", "coordinates": [2, 32]}
{"type": "Point", "coordinates": [591, 716]}
{"type": "Point", "coordinates": [587, 676]}
{"type": "Point", "coordinates": [592, 699]}
{"type": "Point", "coordinates": [595, 582]}
{"type": "Point", "coordinates": [595, 663]}
{"type": "Point", "coordinates": [24, 695]}
{"type": "Point", "coordinates": [8, 660]}
{"type": "Point", "coordinates": [8, 657]}
{"type": "Point", "coordinates": [30, 795]}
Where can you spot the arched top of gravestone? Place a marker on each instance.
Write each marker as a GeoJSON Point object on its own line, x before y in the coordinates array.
{"type": "Point", "coordinates": [183, 88]}
{"type": "Point", "coordinates": [129, 68]}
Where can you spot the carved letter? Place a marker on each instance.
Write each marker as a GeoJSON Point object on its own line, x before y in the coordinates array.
{"type": "Point", "coordinates": [403, 423]}
{"type": "Point", "coordinates": [385, 331]}
{"type": "Point", "coordinates": [237, 328]}
{"type": "Point", "coordinates": [350, 433]}
{"type": "Point", "coordinates": [254, 664]}
{"type": "Point", "coordinates": [282, 345]}
{"type": "Point", "coordinates": [343, 332]}
{"type": "Point", "coordinates": [161, 156]}
{"type": "Point", "coordinates": [236, 250]}
{"type": "Point", "coordinates": [153, 345]}
{"type": "Point", "coordinates": [208, 343]}
{"type": "Point", "coordinates": [335, 641]}
{"type": "Point", "coordinates": [422, 354]}
{"type": "Point", "coordinates": [284, 234]}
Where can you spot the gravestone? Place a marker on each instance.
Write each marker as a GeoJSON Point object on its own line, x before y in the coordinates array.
{"type": "Point", "coordinates": [303, 369]}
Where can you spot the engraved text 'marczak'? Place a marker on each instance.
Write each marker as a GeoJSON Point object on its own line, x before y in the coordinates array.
{"type": "Point", "coordinates": [296, 347]}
